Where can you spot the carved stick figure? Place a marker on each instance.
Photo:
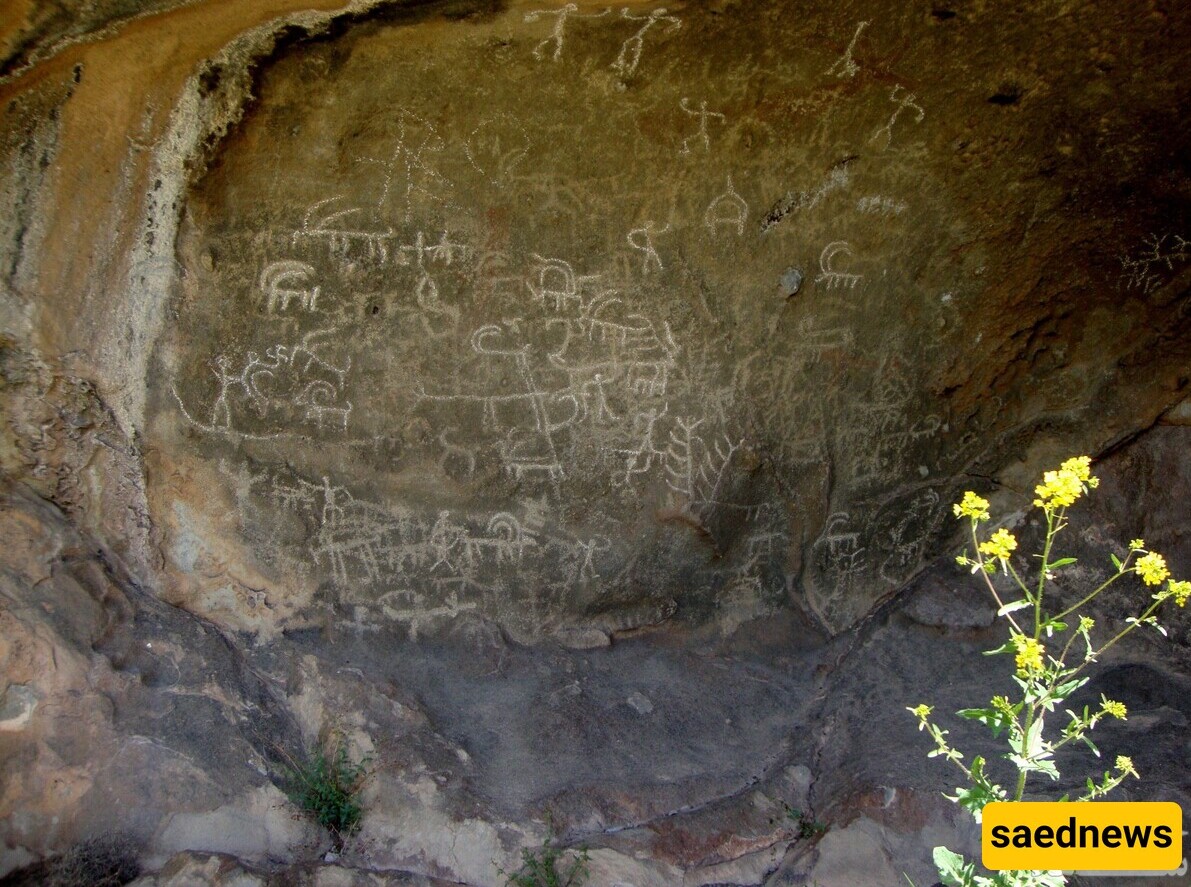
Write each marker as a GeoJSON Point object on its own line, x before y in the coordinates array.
{"type": "Point", "coordinates": [642, 239]}
{"type": "Point", "coordinates": [630, 51]}
{"type": "Point", "coordinates": [702, 135]}
{"type": "Point", "coordinates": [845, 66]}
{"type": "Point", "coordinates": [558, 33]}
{"type": "Point", "coordinates": [907, 101]}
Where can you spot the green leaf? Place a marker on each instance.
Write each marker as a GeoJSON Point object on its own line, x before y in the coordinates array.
{"type": "Point", "coordinates": [1088, 742]}
{"type": "Point", "coordinates": [973, 799]}
{"type": "Point", "coordinates": [1032, 744]}
{"type": "Point", "coordinates": [1116, 561]}
{"type": "Point", "coordinates": [952, 870]}
{"type": "Point", "coordinates": [1064, 690]}
{"type": "Point", "coordinates": [1053, 625]}
{"type": "Point", "coordinates": [1013, 607]}
{"type": "Point", "coordinates": [1062, 562]}
{"type": "Point", "coordinates": [992, 718]}
{"type": "Point", "coordinates": [1006, 647]}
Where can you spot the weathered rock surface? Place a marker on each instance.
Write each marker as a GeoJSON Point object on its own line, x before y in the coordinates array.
{"type": "Point", "coordinates": [562, 405]}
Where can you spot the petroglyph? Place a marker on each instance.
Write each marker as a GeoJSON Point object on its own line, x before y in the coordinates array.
{"type": "Point", "coordinates": [497, 146]}
{"type": "Point", "coordinates": [839, 554]}
{"type": "Point", "coordinates": [630, 51]}
{"type": "Point", "coordinates": [813, 342]}
{"type": "Point", "coordinates": [641, 459]}
{"type": "Point", "coordinates": [703, 135]}
{"type": "Point", "coordinates": [903, 100]}
{"type": "Point", "coordinates": [289, 386]}
{"type": "Point", "coordinates": [417, 616]}
{"type": "Point", "coordinates": [630, 618]}
{"type": "Point", "coordinates": [882, 206]}
{"type": "Point", "coordinates": [378, 246]}
{"type": "Point", "coordinates": [456, 456]}
{"type": "Point", "coordinates": [630, 347]}
{"type": "Point", "coordinates": [642, 239]}
{"type": "Point", "coordinates": [845, 66]}
{"type": "Point", "coordinates": [908, 535]}
{"type": "Point", "coordinates": [410, 171]}
{"type": "Point", "coordinates": [543, 335]}
{"type": "Point", "coordinates": [322, 222]}
{"type": "Point", "coordinates": [558, 32]}
{"type": "Point", "coordinates": [278, 282]}
{"type": "Point", "coordinates": [1143, 271]}
{"type": "Point", "coordinates": [556, 285]}
{"type": "Point", "coordinates": [511, 537]}
{"type": "Point", "coordinates": [728, 209]}
{"type": "Point", "coordinates": [696, 470]}
{"type": "Point", "coordinates": [829, 275]}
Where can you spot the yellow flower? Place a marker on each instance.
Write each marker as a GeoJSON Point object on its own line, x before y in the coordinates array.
{"type": "Point", "coordinates": [972, 506]}
{"type": "Point", "coordinates": [1125, 765]}
{"type": "Point", "coordinates": [1180, 590]}
{"type": "Point", "coordinates": [1086, 623]}
{"type": "Point", "coordinates": [1137, 545]}
{"type": "Point", "coordinates": [999, 545]}
{"type": "Point", "coordinates": [1081, 467]}
{"type": "Point", "coordinates": [1058, 489]}
{"type": "Point", "coordinates": [922, 712]}
{"type": "Point", "coordinates": [1152, 568]}
{"type": "Point", "coordinates": [1029, 656]}
{"type": "Point", "coordinates": [1061, 488]}
{"type": "Point", "coordinates": [1114, 708]}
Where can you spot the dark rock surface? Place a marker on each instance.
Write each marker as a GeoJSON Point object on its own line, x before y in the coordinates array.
{"type": "Point", "coordinates": [562, 405]}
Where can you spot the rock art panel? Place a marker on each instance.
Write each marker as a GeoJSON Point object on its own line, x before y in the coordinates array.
{"type": "Point", "coordinates": [488, 316]}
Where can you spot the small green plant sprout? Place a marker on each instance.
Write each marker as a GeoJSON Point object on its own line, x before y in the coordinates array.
{"type": "Point", "coordinates": [1050, 653]}
{"type": "Point", "coordinates": [808, 826]}
{"type": "Point", "coordinates": [549, 866]}
{"type": "Point", "coordinates": [327, 787]}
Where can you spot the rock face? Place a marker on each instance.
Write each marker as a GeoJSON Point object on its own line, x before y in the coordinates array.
{"type": "Point", "coordinates": [561, 403]}
{"type": "Point", "coordinates": [565, 317]}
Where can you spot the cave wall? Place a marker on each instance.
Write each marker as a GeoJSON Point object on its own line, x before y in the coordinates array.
{"type": "Point", "coordinates": [397, 323]}
{"type": "Point", "coordinates": [580, 317]}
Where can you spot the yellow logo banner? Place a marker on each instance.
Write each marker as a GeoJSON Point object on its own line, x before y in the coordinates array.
{"type": "Point", "coordinates": [1101, 835]}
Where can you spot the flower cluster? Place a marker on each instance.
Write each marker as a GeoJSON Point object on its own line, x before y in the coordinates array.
{"type": "Point", "coordinates": [1114, 708]}
{"type": "Point", "coordinates": [971, 506]}
{"type": "Point", "coordinates": [1180, 590]}
{"type": "Point", "coordinates": [1062, 487]}
{"type": "Point", "coordinates": [1151, 567]}
{"type": "Point", "coordinates": [1029, 656]}
{"type": "Point", "coordinates": [1000, 545]}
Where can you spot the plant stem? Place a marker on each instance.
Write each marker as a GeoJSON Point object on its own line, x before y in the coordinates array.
{"type": "Point", "coordinates": [1124, 631]}
{"type": "Point", "coordinates": [1051, 530]}
{"type": "Point", "coordinates": [1105, 585]}
{"type": "Point", "coordinates": [988, 581]}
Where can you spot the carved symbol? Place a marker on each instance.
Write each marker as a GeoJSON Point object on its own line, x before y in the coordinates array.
{"type": "Point", "coordinates": [278, 280]}
{"type": "Point", "coordinates": [702, 135]}
{"type": "Point", "coordinates": [906, 101]}
{"type": "Point", "coordinates": [642, 239]}
{"type": "Point", "coordinates": [727, 209]}
{"type": "Point", "coordinates": [829, 275]}
{"type": "Point", "coordinates": [630, 51]}
{"type": "Point", "coordinates": [845, 66]}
